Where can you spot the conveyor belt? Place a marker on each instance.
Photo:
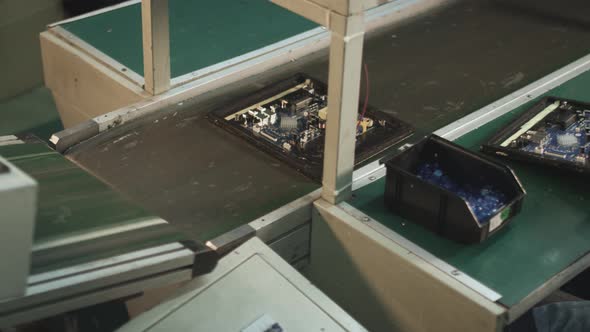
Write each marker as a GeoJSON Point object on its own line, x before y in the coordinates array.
{"type": "Point", "coordinates": [91, 245]}
{"type": "Point", "coordinates": [550, 233]}
{"type": "Point", "coordinates": [193, 173]}
{"type": "Point", "coordinates": [74, 205]}
{"type": "Point", "coordinates": [429, 72]}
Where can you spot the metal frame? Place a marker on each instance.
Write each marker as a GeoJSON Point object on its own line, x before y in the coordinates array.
{"type": "Point", "coordinates": [280, 52]}
{"type": "Point", "coordinates": [124, 74]}
{"type": "Point", "coordinates": [98, 234]}
{"type": "Point", "coordinates": [10, 140]}
{"type": "Point", "coordinates": [73, 287]}
{"type": "Point", "coordinates": [95, 12]}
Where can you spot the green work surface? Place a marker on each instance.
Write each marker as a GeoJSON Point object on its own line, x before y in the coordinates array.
{"type": "Point", "coordinates": [551, 232]}
{"type": "Point", "coordinates": [202, 33]}
{"type": "Point", "coordinates": [72, 203]}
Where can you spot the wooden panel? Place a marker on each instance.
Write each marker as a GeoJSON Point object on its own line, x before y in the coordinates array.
{"type": "Point", "coordinates": [386, 287]}
{"type": "Point", "coordinates": [86, 86]}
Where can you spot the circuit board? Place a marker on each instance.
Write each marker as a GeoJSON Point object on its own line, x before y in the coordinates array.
{"type": "Point", "coordinates": [288, 120]}
{"type": "Point", "coordinates": [555, 132]}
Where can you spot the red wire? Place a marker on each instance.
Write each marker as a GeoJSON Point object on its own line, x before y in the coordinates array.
{"type": "Point", "coordinates": [366, 69]}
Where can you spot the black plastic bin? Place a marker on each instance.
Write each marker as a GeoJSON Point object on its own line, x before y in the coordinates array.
{"type": "Point", "coordinates": [444, 211]}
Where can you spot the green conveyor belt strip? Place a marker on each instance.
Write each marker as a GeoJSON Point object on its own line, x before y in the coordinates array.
{"type": "Point", "coordinates": [552, 231]}
{"type": "Point", "coordinates": [202, 33]}
{"type": "Point", "coordinates": [73, 202]}
{"type": "Point", "coordinates": [32, 112]}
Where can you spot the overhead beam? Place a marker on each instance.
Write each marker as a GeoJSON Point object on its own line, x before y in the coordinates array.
{"type": "Point", "coordinates": [156, 45]}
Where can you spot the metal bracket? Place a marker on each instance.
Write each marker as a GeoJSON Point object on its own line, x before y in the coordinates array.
{"type": "Point", "coordinates": [205, 258]}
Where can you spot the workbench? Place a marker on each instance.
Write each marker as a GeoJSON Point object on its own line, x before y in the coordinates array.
{"type": "Point", "coordinates": [165, 155]}
{"type": "Point", "coordinates": [545, 246]}
{"type": "Point", "coordinates": [190, 156]}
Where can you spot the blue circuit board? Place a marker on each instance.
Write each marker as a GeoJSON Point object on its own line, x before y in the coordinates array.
{"type": "Point", "coordinates": [485, 201]}
{"type": "Point", "coordinates": [550, 140]}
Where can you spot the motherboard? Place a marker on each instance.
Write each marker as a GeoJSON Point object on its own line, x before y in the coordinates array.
{"type": "Point", "coordinates": [557, 131]}
{"type": "Point", "coordinates": [289, 118]}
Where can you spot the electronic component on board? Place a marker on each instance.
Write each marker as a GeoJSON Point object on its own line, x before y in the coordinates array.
{"type": "Point", "coordinates": [289, 118]}
{"type": "Point", "coordinates": [554, 132]}
{"type": "Point", "coordinates": [563, 118]}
